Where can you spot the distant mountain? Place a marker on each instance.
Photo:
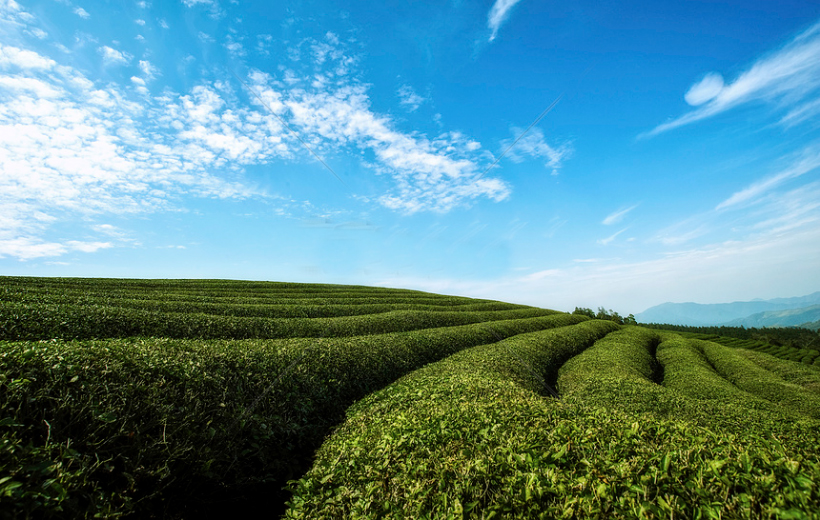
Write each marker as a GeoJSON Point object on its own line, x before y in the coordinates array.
{"type": "Point", "coordinates": [787, 318]}
{"type": "Point", "coordinates": [815, 325]}
{"type": "Point", "coordinates": [699, 314]}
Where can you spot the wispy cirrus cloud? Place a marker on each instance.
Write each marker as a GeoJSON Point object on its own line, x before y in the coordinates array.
{"type": "Point", "coordinates": [789, 77]}
{"type": "Point", "coordinates": [808, 161]}
{"type": "Point", "coordinates": [112, 56]}
{"type": "Point", "coordinates": [409, 99]}
{"type": "Point", "coordinates": [498, 14]}
{"type": "Point", "coordinates": [332, 110]}
{"type": "Point", "coordinates": [708, 273]}
{"type": "Point", "coordinates": [534, 145]}
{"type": "Point", "coordinates": [757, 208]}
{"type": "Point", "coordinates": [617, 216]}
{"type": "Point", "coordinates": [72, 147]}
{"type": "Point", "coordinates": [611, 238]}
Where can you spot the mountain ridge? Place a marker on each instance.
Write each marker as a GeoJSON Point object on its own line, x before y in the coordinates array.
{"type": "Point", "coordinates": [710, 314]}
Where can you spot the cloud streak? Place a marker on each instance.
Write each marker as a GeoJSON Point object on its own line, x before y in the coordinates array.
{"type": "Point", "coordinates": [409, 98]}
{"type": "Point", "coordinates": [790, 76]}
{"type": "Point", "coordinates": [616, 217]}
{"type": "Point", "coordinates": [808, 162]}
{"type": "Point", "coordinates": [534, 145]}
{"type": "Point", "coordinates": [498, 14]}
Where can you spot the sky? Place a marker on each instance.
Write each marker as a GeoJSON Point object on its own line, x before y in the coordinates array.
{"type": "Point", "coordinates": [559, 154]}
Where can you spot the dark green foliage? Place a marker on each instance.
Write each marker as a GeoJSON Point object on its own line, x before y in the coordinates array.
{"type": "Point", "coordinates": [473, 436]}
{"type": "Point", "coordinates": [793, 337]}
{"type": "Point", "coordinates": [445, 439]}
{"type": "Point", "coordinates": [34, 322]}
{"type": "Point", "coordinates": [175, 426]}
{"type": "Point", "coordinates": [747, 375]}
{"type": "Point", "coordinates": [604, 314]}
{"type": "Point", "coordinates": [137, 424]}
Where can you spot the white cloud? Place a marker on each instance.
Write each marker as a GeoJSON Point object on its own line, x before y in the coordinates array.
{"type": "Point", "coordinates": [87, 247]}
{"type": "Point", "coordinates": [37, 33]}
{"type": "Point", "coordinates": [802, 113]}
{"type": "Point", "coordinates": [263, 42]}
{"type": "Point", "coordinates": [12, 57]}
{"type": "Point", "coordinates": [808, 162]}
{"type": "Point", "coordinates": [72, 148]}
{"type": "Point", "coordinates": [704, 90]}
{"type": "Point", "coordinates": [163, 23]}
{"type": "Point", "coordinates": [409, 98]}
{"type": "Point", "coordinates": [617, 216]}
{"type": "Point", "coordinates": [332, 110]}
{"type": "Point", "coordinates": [82, 13]}
{"type": "Point", "coordinates": [26, 248]}
{"type": "Point", "coordinates": [139, 22]}
{"type": "Point", "coordinates": [234, 47]}
{"type": "Point", "coordinates": [113, 56]}
{"type": "Point", "coordinates": [215, 11]}
{"type": "Point", "coordinates": [609, 239]}
{"type": "Point", "coordinates": [534, 144]}
{"type": "Point", "coordinates": [791, 75]}
{"type": "Point", "coordinates": [498, 14]}
{"type": "Point", "coordinates": [148, 70]}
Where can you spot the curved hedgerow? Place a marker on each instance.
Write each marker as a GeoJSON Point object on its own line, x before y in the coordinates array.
{"type": "Point", "coordinates": [799, 374]}
{"type": "Point", "coordinates": [473, 436]}
{"type": "Point", "coordinates": [327, 308]}
{"type": "Point", "coordinates": [444, 439]}
{"type": "Point", "coordinates": [36, 322]}
{"type": "Point", "coordinates": [173, 426]}
{"type": "Point", "coordinates": [615, 373]}
{"type": "Point", "coordinates": [737, 368]}
{"type": "Point", "coordinates": [687, 370]}
{"type": "Point", "coordinates": [647, 425]}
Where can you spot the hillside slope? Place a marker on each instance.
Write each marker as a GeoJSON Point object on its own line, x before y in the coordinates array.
{"type": "Point", "coordinates": [189, 399]}
{"type": "Point", "coordinates": [785, 318]}
{"type": "Point", "coordinates": [698, 314]}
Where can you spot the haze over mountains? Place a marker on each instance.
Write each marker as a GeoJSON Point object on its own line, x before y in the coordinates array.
{"type": "Point", "coordinates": [778, 312]}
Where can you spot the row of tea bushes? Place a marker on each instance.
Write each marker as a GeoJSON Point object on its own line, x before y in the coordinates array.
{"type": "Point", "coordinates": [162, 427]}
{"type": "Point", "coordinates": [35, 322]}
{"type": "Point", "coordinates": [473, 436]}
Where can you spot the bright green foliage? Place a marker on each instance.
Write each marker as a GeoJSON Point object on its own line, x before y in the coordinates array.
{"type": "Point", "coordinates": [137, 424]}
{"type": "Point", "coordinates": [802, 375]}
{"type": "Point", "coordinates": [473, 436]}
{"type": "Point", "coordinates": [449, 438]}
{"type": "Point", "coordinates": [158, 423]}
{"type": "Point", "coordinates": [687, 370]}
{"type": "Point", "coordinates": [32, 322]}
{"type": "Point", "coordinates": [744, 373]}
{"type": "Point", "coordinates": [790, 343]}
{"type": "Point", "coordinates": [625, 355]}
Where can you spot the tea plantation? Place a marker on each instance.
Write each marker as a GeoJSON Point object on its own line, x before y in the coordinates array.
{"type": "Point", "coordinates": [214, 399]}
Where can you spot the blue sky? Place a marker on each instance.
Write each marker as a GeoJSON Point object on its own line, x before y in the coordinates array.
{"type": "Point", "coordinates": [370, 143]}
